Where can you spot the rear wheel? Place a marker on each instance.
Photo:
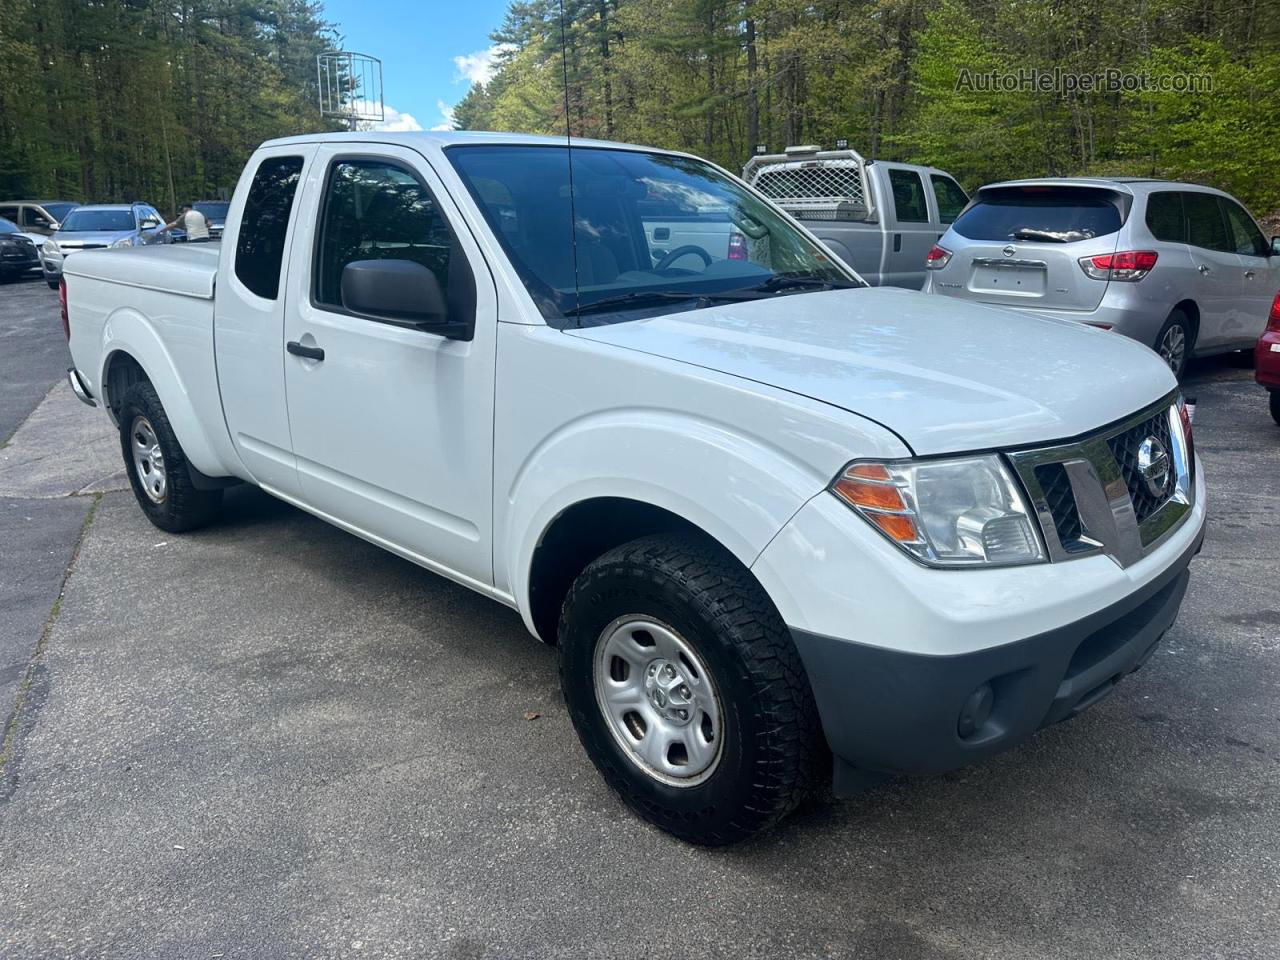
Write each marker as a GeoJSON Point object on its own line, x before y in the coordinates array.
{"type": "Point", "coordinates": [157, 467]}
{"type": "Point", "coordinates": [1175, 341]}
{"type": "Point", "coordinates": [686, 690]}
{"type": "Point", "coordinates": [1275, 405]}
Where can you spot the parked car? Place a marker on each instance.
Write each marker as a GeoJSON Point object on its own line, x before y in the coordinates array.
{"type": "Point", "coordinates": [879, 218]}
{"type": "Point", "coordinates": [766, 512]}
{"type": "Point", "coordinates": [18, 253]}
{"type": "Point", "coordinates": [37, 216]}
{"type": "Point", "coordinates": [1181, 268]}
{"type": "Point", "coordinates": [97, 226]}
{"type": "Point", "coordinates": [215, 212]}
{"type": "Point", "coordinates": [1266, 358]}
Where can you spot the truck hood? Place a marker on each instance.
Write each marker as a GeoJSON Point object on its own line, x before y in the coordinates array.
{"type": "Point", "coordinates": [943, 374]}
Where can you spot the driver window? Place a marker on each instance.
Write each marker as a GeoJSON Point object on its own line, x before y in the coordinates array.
{"type": "Point", "coordinates": [1245, 235]}
{"type": "Point", "coordinates": [377, 210]}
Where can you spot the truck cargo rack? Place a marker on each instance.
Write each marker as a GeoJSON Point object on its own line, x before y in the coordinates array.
{"type": "Point", "coordinates": [813, 184]}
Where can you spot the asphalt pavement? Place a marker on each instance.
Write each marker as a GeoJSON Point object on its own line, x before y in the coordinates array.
{"type": "Point", "coordinates": [271, 739]}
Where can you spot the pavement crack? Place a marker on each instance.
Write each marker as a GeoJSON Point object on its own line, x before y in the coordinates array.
{"type": "Point", "coordinates": [11, 727]}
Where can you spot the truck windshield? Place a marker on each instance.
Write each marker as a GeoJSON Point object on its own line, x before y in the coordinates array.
{"type": "Point", "coordinates": [646, 232]}
{"type": "Point", "coordinates": [82, 220]}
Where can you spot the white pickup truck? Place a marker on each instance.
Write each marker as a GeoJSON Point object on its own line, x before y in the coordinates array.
{"type": "Point", "coordinates": [769, 514]}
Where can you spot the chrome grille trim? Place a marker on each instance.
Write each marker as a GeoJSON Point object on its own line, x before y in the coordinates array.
{"type": "Point", "coordinates": [1102, 499]}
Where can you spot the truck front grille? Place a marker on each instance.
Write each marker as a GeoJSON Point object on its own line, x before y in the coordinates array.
{"type": "Point", "coordinates": [1091, 495]}
{"type": "Point", "coordinates": [1061, 501]}
{"type": "Point", "coordinates": [1125, 447]}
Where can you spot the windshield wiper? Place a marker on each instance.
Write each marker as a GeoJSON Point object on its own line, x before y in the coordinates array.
{"type": "Point", "coordinates": [1049, 236]}
{"type": "Point", "coordinates": [636, 298]}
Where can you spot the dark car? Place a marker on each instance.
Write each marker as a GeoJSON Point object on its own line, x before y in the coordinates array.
{"type": "Point", "coordinates": [17, 253]}
{"type": "Point", "coordinates": [1266, 355]}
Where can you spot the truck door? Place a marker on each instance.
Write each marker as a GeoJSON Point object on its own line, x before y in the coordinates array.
{"type": "Point", "coordinates": [392, 426]}
{"type": "Point", "coordinates": [910, 231]}
{"type": "Point", "coordinates": [249, 314]}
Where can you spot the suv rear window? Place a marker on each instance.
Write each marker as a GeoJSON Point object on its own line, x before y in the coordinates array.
{"type": "Point", "coordinates": [1042, 214]}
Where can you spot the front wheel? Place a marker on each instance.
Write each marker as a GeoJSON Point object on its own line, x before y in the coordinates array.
{"type": "Point", "coordinates": [53, 284]}
{"type": "Point", "coordinates": [1275, 405]}
{"type": "Point", "coordinates": [686, 690]}
{"type": "Point", "coordinates": [157, 467]}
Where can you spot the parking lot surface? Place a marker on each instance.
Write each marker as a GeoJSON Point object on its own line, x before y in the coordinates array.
{"type": "Point", "coordinates": [271, 739]}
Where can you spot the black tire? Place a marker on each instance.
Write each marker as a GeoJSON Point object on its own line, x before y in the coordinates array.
{"type": "Point", "coordinates": [1275, 405]}
{"type": "Point", "coordinates": [771, 749]}
{"type": "Point", "coordinates": [1180, 320]}
{"type": "Point", "coordinates": [53, 284]}
{"type": "Point", "coordinates": [180, 506]}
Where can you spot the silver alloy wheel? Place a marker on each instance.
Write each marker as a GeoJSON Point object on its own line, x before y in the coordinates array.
{"type": "Point", "coordinates": [659, 700]}
{"type": "Point", "coordinates": [1173, 347]}
{"type": "Point", "coordinates": [148, 460]}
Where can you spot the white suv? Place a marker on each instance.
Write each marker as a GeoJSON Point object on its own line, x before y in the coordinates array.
{"type": "Point", "coordinates": [1181, 268]}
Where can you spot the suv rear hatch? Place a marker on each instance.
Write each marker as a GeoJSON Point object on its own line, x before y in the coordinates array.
{"type": "Point", "coordinates": [1020, 246]}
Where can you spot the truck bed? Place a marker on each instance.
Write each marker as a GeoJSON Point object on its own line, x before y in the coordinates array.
{"type": "Point", "coordinates": [188, 270]}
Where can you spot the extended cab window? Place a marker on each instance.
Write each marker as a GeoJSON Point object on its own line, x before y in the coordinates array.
{"type": "Point", "coordinates": [377, 210]}
{"type": "Point", "coordinates": [1245, 234]}
{"type": "Point", "coordinates": [951, 199]}
{"type": "Point", "coordinates": [1164, 216]}
{"type": "Point", "coordinates": [908, 197]}
{"type": "Point", "coordinates": [260, 246]}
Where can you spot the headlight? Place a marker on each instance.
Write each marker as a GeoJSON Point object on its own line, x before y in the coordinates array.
{"type": "Point", "coordinates": [127, 241]}
{"type": "Point", "coordinates": [51, 248]}
{"type": "Point", "coordinates": [949, 513]}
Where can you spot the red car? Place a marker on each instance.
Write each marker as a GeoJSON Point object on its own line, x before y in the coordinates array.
{"type": "Point", "coordinates": [1266, 357]}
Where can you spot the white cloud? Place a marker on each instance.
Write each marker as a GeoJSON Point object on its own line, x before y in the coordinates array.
{"type": "Point", "coordinates": [393, 119]}
{"type": "Point", "coordinates": [479, 67]}
{"type": "Point", "coordinates": [446, 116]}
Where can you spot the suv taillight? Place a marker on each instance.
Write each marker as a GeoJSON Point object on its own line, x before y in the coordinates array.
{"type": "Point", "coordinates": [1130, 265]}
{"type": "Point", "coordinates": [1273, 318]}
{"type": "Point", "coordinates": [62, 308]}
{"type": "Point", "coordinates": [937, 258]}
{"type": "Point", "coordinates": [737, 247]}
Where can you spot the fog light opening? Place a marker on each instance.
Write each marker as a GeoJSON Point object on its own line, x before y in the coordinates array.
{"type": "Point", "coordinates": [976, 711]}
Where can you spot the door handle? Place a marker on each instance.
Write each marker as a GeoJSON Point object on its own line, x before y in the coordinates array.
{"type": "Point", "coordinates": [301, 350]}
{"type": "Point", "coordinates": [897, 243]}
{"type": "Point", "coordinates": [1249, 274]}
{"type": "Point", "coordinates": [1202, 268]}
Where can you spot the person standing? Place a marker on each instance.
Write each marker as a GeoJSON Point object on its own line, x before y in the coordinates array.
{"type": "Point", "coordinates": [193, 222]}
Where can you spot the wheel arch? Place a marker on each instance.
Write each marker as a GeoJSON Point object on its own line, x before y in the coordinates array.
{"type": "Point", "coordinates": [1191, 310]}
{"type": "Point", "coordinates": [586, 530]}
{"type": "Point", "coordinates": [132, 350]}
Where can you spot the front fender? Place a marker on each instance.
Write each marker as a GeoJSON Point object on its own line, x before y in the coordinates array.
{"type": "Point", "coordinates": [734, 486]}
{"type": "Point", "coordinates": [130, 332]}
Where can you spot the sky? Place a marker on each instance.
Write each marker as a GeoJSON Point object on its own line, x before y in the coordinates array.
{"type": "Point", "coordinates": [431, 51]}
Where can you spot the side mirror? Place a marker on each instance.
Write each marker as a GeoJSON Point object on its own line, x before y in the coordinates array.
{"type": "Point", "coordinates": [403, 292]}
{"type": "Point", "coordinates": [1275, 246]}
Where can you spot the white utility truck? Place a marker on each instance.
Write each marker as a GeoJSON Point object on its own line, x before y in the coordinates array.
{"type": "Point", "coordinates": [770, 515]}
{"type": "Point", "coordinates": [879, 217]}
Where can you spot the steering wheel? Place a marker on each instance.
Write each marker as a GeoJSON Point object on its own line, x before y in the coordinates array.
{"type": "Point", "coordinates": [679, 252]}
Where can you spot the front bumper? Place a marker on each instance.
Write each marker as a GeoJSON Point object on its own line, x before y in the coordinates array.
{"type": "Point", "coordinates": [921, 671]}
